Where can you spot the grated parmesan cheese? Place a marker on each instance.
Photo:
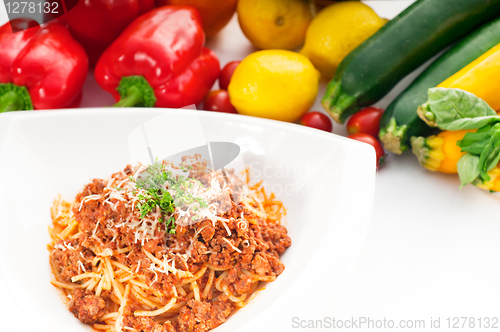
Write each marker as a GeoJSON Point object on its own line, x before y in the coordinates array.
{"type": "Point", "coordinates": [231, 245]}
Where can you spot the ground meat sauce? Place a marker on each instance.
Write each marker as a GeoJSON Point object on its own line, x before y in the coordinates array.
{"type": "Point", "coordinates": [121, 270]}
{"type": "Point", "coordinates": [87, 307]}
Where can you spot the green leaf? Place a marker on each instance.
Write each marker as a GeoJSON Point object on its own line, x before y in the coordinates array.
{"type": "Point", "coordinates": [483, 176]}
{"type": "Point", "coordinates": [468, 168]}
{"type": "Point", "coordinates": [493, 155]}
{"type": "Point", "coordinates": [475, 142]}
{"type": "Point", "coordinates": [490, 151]}
{"type": "Point", "coordinates": [455, 109]}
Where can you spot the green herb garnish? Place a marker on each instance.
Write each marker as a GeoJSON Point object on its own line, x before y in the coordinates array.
{"type": "Point", "coordinates": [157, 185]}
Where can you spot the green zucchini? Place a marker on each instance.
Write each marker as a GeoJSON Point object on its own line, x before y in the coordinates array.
{"type": "Point", "coordinates": [400, 120]}
{"type": "Point", "coordinates": [426, 27]}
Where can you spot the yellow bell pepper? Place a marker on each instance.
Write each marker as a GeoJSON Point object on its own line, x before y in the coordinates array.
{"type": "Point", "coordinates": [480, 77]}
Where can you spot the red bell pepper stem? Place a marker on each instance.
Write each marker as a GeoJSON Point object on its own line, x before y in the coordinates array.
{"type": "Point", "coordinates": [14, 98]}
{"type": "Point", "coordinates": [135, 91]}
{"type": "Point", "coordinates": [10, 102]}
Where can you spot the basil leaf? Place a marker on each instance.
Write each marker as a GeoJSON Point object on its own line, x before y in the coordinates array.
{"type": "Point", "coordinates": [484, 176]}
{"type": "Point", "coordinates": [490, 154]}
{"type": "Point", "coordinates": [470, 123]}
{"type": "Point", "coordinates": [455, 109]}
{"type": "Point", "coordinates": [475, 142]}
{"type": "Point", "coordinates": [468, 168]}
{"type": "Point", "coordinates": [494, 154]}
{"type": "Point", "coordinates": [426, 114]}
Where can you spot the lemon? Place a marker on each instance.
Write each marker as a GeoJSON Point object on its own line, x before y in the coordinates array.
{"type": "Point", "coordinates": [336, 31]}
{"type": "Point", "coordinates": [275, 84]}
{"type": "Point", "coordinates": [278, 24]}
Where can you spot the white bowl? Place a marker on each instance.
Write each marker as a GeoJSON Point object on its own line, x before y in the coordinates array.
{"type": "Point", "coordinates": [325, 181]}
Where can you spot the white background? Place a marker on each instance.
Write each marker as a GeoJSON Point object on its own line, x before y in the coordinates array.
{"type": "Point", "coordinates": [432, 251]}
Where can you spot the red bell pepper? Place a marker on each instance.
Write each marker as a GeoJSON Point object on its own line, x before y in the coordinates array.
{"type": "Point", "coordinates": [95, 24]}
{"type": "Point", "coordinates": [40, 68]}
{"type": "Point", "coordinates": [159, 60]}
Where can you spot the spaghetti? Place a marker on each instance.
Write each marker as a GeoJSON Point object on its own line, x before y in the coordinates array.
{"type": "Point", "coordinates": [123, 267]}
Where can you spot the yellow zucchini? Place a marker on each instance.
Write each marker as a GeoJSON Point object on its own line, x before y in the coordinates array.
{"type": "Point", "coordinates": [439, 152]}
{"type": "Point", "coordinates": [494, 183]}
{"type": "Point", "coordinates": [481, 77]}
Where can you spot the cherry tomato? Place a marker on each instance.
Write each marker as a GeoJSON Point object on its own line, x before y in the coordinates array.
{"type": "Point", "coordinates": [365, 121]}
{"type": "Point", "coordinates": [218, 101]}
{"type": "Point", "coordinates": [317, 120]}
{"type": "Point", "coordinates": [226, 74]}
{"type": "Point", "coordinates": [379, 150]}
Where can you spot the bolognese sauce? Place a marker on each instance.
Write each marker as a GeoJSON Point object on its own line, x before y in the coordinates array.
{"type": "Point", "coordinates": [180, 255]}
